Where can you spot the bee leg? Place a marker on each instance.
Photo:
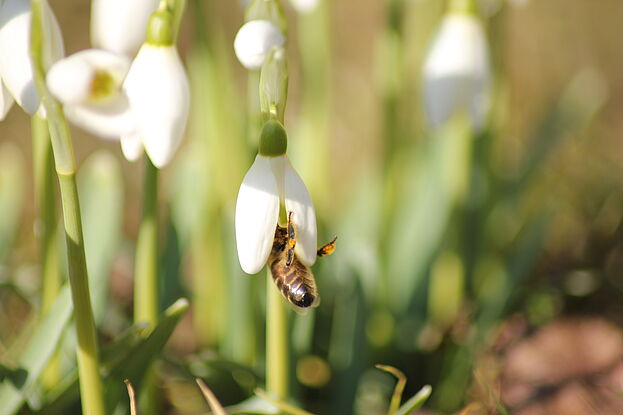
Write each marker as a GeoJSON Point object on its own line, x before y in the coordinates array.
{"type": "Point", "coordinates": [327, 249]}
{"type": "Point", "coordinates": [290, 241]}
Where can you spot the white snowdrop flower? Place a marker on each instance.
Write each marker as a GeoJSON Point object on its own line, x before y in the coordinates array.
{"type": "Point", "coordinates": [456, 73]}
{"type": "Point", "coordinates": [270, 182]}
{"type": "Point", "coordinates": [6, 101]}
{"type": "Point", "coordinates": [16, 69]}
{"type": "Point", "coordinates": [254, 40]}
{"type": "Point", "coordinates": [304, 6]}
{"type": "Point", "coordinates": [88, 83]}
{"type": "Point", "coordinates": [120, 25]}
{"type": "Point", "coordinates": [158, 91]}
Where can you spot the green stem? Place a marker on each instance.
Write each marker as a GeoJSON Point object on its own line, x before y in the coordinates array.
{"type": "Point", "coordinates": [463, 6]}
{"type": "Point", "coordinates": [254, 116]}
{"type": "Point", "coordinates": [43, 164]}
{"type": "Point", "coordinates": [87, 352]}
{"type": "Point", "coordinates": [146, 263]}
{"type": "Point", "coordinates": [277, 358]}
{"type": "Point", "coordinates": [146, 282]}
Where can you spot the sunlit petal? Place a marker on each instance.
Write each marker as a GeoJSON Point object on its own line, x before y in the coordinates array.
{"type": "Point", "coordinates": [106, 120]}
{"type": "Point", "coordinates": [6, 101]}
{"type": "Point", "coordinates": [298, 201]}
{"type": "Point", "coordinates": [120, 25]}
{"type": "Point", "coordinates": [131, 146]}
{"type": "Point", "coordinates": [15, 63]}
{"type": "Point", "coordinates": [257, 212]}
{"type": "Point", "coordinates": [158, 90]}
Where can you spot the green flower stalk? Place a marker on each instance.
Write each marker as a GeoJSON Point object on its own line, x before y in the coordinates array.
{"type": "Point", "coordinates": [87, 352]}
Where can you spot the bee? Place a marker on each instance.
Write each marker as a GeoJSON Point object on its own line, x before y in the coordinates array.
{"type": "Point", "coordinates": [293, 278]}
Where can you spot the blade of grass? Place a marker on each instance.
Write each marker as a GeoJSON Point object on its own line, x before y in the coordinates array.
{"type": "Point", "coordinates": [285, 407]}
{"type": "Point", "coordinates": [215, 405]}
{"type": "Point", "coordinates": [416, 401]}
{"type": "Point", "coordinates": [400, 386]}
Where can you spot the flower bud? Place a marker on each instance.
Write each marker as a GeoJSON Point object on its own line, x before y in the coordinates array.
{"type": "Point", "coordinates": [254, 41]}
{"type": "Point", "coordinates": [120, 25]}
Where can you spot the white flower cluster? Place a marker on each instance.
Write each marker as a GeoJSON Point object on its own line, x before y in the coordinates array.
{"type": "Point", "coordinates": [141, 99]}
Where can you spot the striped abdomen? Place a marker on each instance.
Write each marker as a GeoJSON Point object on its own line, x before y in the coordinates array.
{"type": "Point", "coordinates": [296, 282]}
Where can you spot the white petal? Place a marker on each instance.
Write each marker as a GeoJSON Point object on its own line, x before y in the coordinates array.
{"type": "Point", "coordinates": [257, 213]}
{"type": "Point", "coordinates": [107, 120]}
{"type": "Point", "coordinates": [457, 71]}
{"type": "Point", "coordinates": [159, 96]}
{"type": "Point", "coordinates": [254, 40]}
{"type": "Point", "coordinates": [15, 63]}
{"type": "Point", "coordinates": [120, 25]}
{"type": "Point", "coordinates": [298, 201]}
{"type": "Point", "coordinates": [71, 79]}
{"type": "Point", "coordinates": [304, 6]}
{"type": "Point", "coordinates": [131, 146]}
{"type": "Point", "coordinates": [6, 101]}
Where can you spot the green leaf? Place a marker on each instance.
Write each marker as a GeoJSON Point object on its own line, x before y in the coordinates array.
{"type": "Point", "coordinates": [100, 185]}
{"type": "Point", "coordinates": [15, 388]}
{"type": "Point", "coordinates": [415, 402]}
{"type": "Point", "coordinates": [128, 358]}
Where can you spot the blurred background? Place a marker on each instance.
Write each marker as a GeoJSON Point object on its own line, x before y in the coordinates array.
{"type": "Point", "coordinates": [487, 265]}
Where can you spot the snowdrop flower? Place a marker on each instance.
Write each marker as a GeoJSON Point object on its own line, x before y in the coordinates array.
{"type": "Point", "coordinates": [270, 182]}
{"type": "Point", "coordinates": [254, 41]}
{"type": "Point", "coordinates": [456, 73]}
{"type": "Point", "coordinates": [16, 69]}
{"type": "Point", "coordinates": [88, 83]}
{"type": "Point", "coordinates": [119, 25]}
{"type": "Point", "coordinates": [158, 92]}
{"type": "Point", "coordinates": [6, 101]}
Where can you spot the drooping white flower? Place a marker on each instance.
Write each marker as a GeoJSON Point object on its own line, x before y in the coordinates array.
{"type": "Point", "coordinates": [6, 101]}
{"type": "Point", "coordinates": [270, 182]}
{"type": "Point", "coordinates": [254, 41]}
{"type": "Point", "coordinates": [158, 92]}
{"type": "Point", "coordinates": [16, 69]}
{"type": "Point", "coordinates": [88, 83]}
{"type": "Point", "coordinates": [120, 25]}
{"type": "Point", "coordinates": [456, 73]}
{"type": "Point", "coordinates": [304, 6]}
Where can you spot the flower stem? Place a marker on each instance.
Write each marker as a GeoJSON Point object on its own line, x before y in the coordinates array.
{"type": "Point", "coordinates": [87, 352]}
{"type": "Point", "coordinates": [277, 353]}
{"type": "Point", "coordinates": [146, 280]}
{"type": "Point", "coordinates": [43, 164]}
{"type": "Point", "coordinates": [146, 265]}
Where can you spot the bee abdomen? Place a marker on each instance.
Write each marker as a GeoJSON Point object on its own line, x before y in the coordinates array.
{"type": "Point", "coordinates": [294, 284]}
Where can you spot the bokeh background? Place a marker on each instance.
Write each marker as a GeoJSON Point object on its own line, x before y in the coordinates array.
{"type": "Point", "coordinates": [487, 265]}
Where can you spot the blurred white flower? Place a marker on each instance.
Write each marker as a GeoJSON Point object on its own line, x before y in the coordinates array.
{"type": "Point", "coordinates": [6, 101]}
{"type": "Point", "coordinates": [120, 25]}
{"type": "Point", "coordinates": [88, 83]}
{"type": "Point", "coordinates": [254, 40]}
{"type": "Point", "coordinates": [456, 73]}
{"type": "Point", "coordinates": [16, 69]}
{"type": "Point", "coordinates": [158, 92]}
{"type": "Point", "coordinates": [304, 6]}
{"type": "Point", "coordinates": [269, 182]}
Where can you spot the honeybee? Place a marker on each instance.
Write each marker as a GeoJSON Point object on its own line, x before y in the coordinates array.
{"type": "Point", "coordinates": [293, 278]}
